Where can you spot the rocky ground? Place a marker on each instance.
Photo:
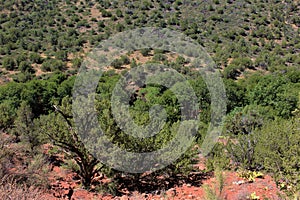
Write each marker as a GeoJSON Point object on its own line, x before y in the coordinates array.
{"type": "Point", "coordinates": [66, 185]}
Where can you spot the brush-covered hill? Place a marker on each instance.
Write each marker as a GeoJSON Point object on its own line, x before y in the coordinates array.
{"type": "Point", "coordinates": [45, 36]}
{"type": "Point", "coordinates": [255, 45]}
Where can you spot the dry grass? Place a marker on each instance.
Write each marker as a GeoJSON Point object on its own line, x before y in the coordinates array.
{"type": "Point", "coordinates": [22, 176]}
{"type": "Point", "coordinates": [10, 190]}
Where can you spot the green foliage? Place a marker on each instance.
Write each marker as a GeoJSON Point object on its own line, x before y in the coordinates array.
{"type": "Point", "coordinates": [235, 94]}
{"type": "Point", "coordinates": [139, 110]}
{"type": "Point", "coordinates": [241, 150]}
{"type": "Point", "coordinates": [159, 57]}
{"type": "Point", "coordinates": [22, 77]}
{"type": "Point", "coordinates": [242, 63]}
{"type": "Point", "coordinates": [61, 55]}
{"type": "Point", "coordinates": [106, 13]}
{"type": "Point", "coordinates": [275, 91]}
{"type": "Point", "coordinates": [294, 75]}
{"type": "Point", "coordinates": [273, 148]}
{"type": "Point", "coordinates": [25, 127]}
{"type": "Point", "coordinates": [277, 150]}
{"type": "Point", "coordinates": [59, 129]}
{"type": "Point", "coordinates": [145, 52]}
{"type": "Point", "coordinates": [76, 63]}
{"type": "Point", "coordinates": [65, 88]}
{"type": "Point", "coordinates": [246, 120]}
{"type": "Point", "coordinates": [215, 192]}
{"type": "Point", "coordinates": [119, 13]}
{"type": "Point", "coordinates": [9, 63]}
{"type": "Point", "coordinates": [231, 72]}
{"type": "Point", "coordinates": [220, 180]}
{"type": "Point", "coordinates": [218, 159]}
{"type": "Point", "coordinates": [52, 65]}
{"type": "Point", "coordinates": [118, 63]}
{"type": "Point", "coordinates": [38, 93]}
{"type": "Point", "coordinates": [35, 58]}
{"type": "Point", "coordinates": [210, 193]}
{"type": "Point", "coordinates": [240, 37]}
{"type": "Point", "coordinates": [25, 66]}
{"type": "Point", "coordinates": [200, 88]}
{"type": "Point", "coordinates": [8, 113]}
{"type": "Point", "coordinates": [71, 165]}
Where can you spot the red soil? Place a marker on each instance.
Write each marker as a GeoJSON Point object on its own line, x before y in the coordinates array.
{"type": "Point", "coordinates": [63, 182]}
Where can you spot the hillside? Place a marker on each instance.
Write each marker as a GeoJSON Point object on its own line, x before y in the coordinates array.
{"type": "Point", "coordinates": [48, 139]}
{"type": "Point", "coordinates": [42, 34]}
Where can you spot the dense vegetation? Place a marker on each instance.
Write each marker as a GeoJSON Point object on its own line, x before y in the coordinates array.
{"type": "Point", "coordinates": [255, 44]}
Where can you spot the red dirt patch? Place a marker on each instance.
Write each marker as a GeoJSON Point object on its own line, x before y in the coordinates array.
{"type": "Point", "coordinates": [63, 182]}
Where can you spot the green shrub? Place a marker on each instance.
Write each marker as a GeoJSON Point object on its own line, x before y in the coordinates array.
{"type": "Point", "coordinates": [22, 77]}
{"type": "Point", "coordinates": [58, 129]}
{"type": "Point", "coordinates": [35, 58]}
{"type": "Point", "coordinates": [241, 151]}
{"type": "Point", "coordinates": [145, 52]}
{"type": "Point", "coordinates": [275, 91]}
{"type": "Point", "coordinates": [9, 63]}
{"type": "Point", "coordinates": [274, 148]}
{"type": "Point", "coordinates": [218, 159]}
{"type": "Point", "coordinates": [8, 114]}
{"type": "Point", "coordinates": [25, 66]}
{"type": "Point", "coordinates": [231, 72]}
{"type": "Point", "coordinates": [53, 65]}
{"type": "Point", "coordinates": [117, 63]}
{"type": "Point", "coordinates": [277, 151]}
{"type": "Point", "coordinates": [159, 57]}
